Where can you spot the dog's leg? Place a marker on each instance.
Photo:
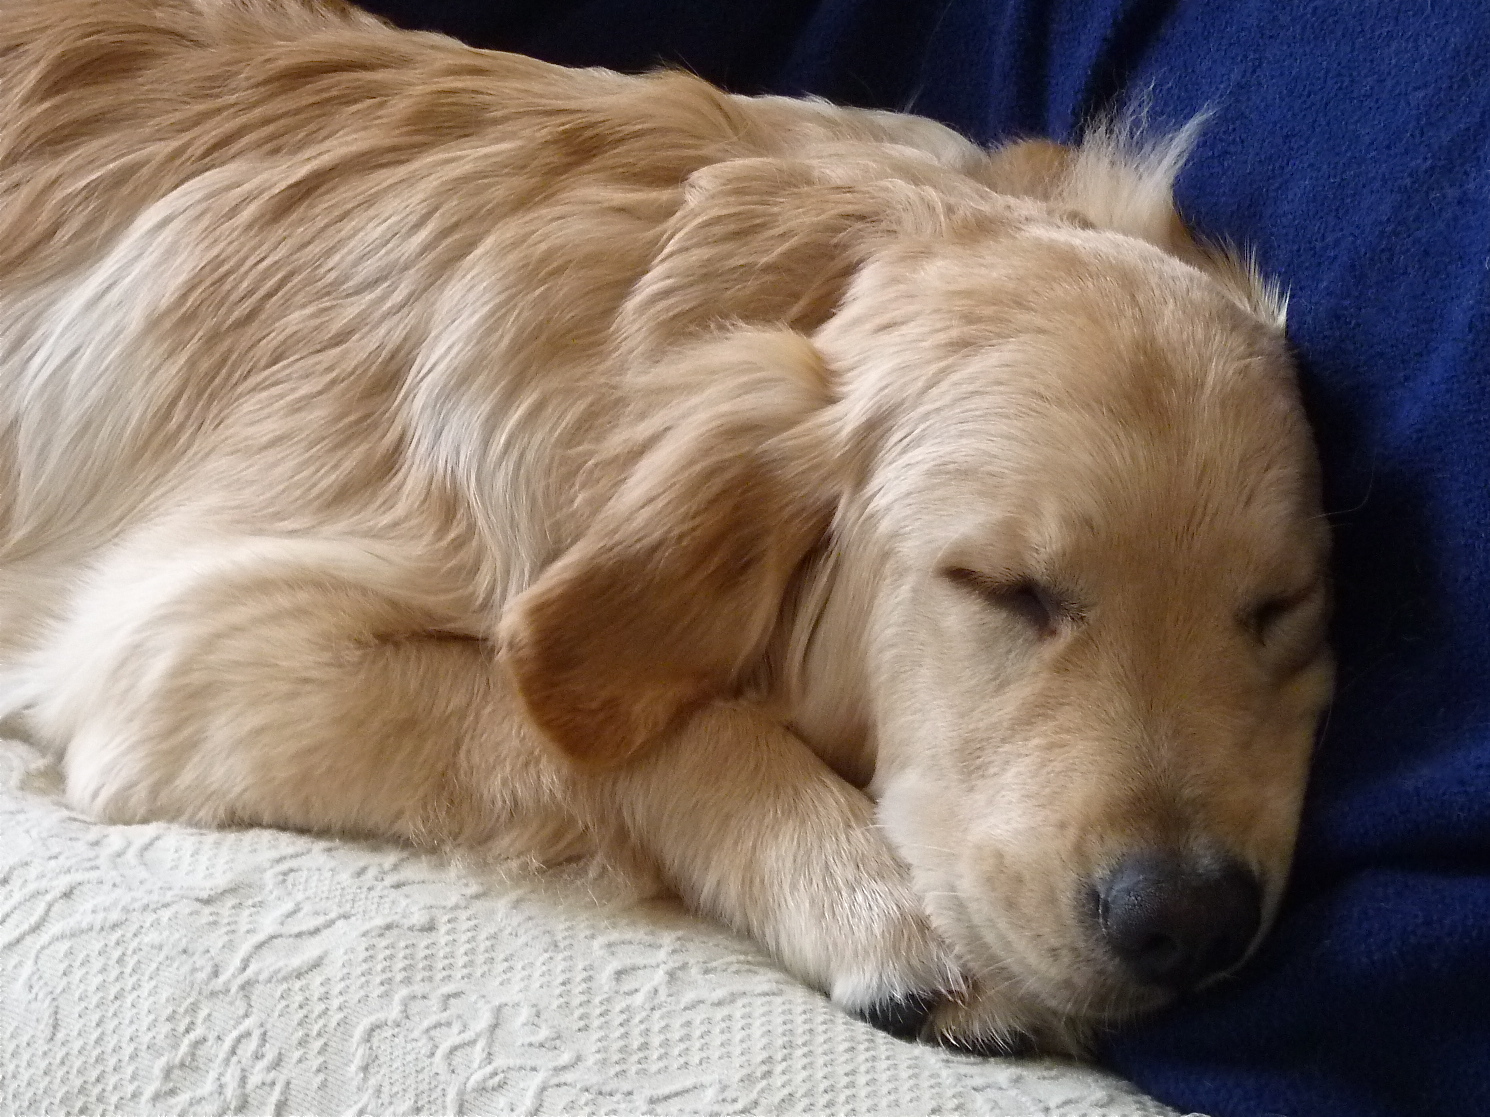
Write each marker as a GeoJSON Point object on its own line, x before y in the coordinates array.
{"type": "Point", "coordinates": [294, 683]}
{"type": "Point", "coordinates": [279, 682]}
{"type": "Point", "coordinates": [753, 828]}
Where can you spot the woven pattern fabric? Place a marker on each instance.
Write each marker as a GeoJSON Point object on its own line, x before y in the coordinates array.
{"type": "Point", "coordinates": [161, 969]}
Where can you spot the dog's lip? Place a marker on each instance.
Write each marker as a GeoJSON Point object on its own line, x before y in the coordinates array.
{"type": "Point", "coordinates": [1117, 1000]}
{"type": "Point", "coordinates": [997, 951]}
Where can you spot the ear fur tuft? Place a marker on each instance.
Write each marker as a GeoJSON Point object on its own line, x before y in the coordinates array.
{"type": "Point", "coordinates": [1121, 177]}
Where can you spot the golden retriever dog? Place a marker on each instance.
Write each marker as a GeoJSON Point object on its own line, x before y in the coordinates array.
{"type": "Point", "coordinates": [906, 553]}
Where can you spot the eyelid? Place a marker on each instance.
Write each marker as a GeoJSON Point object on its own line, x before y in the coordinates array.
{"type": "Point", "coordinates": [1046, 607]}
{"type": "Point", "coordinates": [1269, 611]}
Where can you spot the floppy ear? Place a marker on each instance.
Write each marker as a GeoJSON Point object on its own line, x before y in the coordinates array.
{"type": "Point", "coordinates": [776, 241]}
{"type": "Point", "coordinates": [672, 592]}
{"type": "Point", "coordinates": [1121, 178]}
{"type": "Point", "coordinates": [1026, 168]}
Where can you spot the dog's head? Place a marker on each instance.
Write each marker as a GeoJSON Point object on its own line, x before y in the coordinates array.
{"type": "Point", "coordinates": [1077, 562]}
{"type": "Point", "coordinates": [1090, 550]}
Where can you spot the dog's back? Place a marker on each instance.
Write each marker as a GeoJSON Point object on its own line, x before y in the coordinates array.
{"type": "Point", "coordinates": [200, 200]}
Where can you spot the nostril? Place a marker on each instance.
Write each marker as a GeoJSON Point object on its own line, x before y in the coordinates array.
{"type": "Point", "coordinates": [1173, 921]}
{"type": "Point", "coordinates": [1160, 951]}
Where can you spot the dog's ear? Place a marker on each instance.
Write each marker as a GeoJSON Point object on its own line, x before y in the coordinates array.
{"type": "Point", "coordinates": [674, 589]}
{"type": "Point", "coordinates": [1121, 178]}
{"type": "Point", "coordinates": [777, 241]}
{"type": "Point", "coordinates": [1026, 168]}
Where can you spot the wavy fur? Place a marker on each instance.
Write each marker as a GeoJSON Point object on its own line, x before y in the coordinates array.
{"type": "Point", "coordinates": [405, 439]}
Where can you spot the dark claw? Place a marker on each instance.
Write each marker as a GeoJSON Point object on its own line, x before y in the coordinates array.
{"type": "Point", "coordinates": [902, 1016]}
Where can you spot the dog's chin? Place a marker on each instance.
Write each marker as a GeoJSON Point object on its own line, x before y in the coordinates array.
{"type": "Point", "coordinates": [1015, 1007]}
{"type": "Point", "coordinates": [1014, 1017]}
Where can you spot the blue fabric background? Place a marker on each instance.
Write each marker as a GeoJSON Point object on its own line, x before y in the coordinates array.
{"type": "Point", "coordinates": [1350, 147]}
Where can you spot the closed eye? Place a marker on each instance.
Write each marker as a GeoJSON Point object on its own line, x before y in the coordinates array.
{"type": "Point", "coordinates": [1032, 602]}
{"type": "Point", "coordinates": [1268, 615]}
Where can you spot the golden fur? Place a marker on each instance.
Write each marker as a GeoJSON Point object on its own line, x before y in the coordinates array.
{"type": "Point", "coordinates": [399, 438]}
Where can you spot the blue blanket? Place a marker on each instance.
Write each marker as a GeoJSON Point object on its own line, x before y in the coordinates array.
{"type": "Point", "coordinates": [1351, 146]}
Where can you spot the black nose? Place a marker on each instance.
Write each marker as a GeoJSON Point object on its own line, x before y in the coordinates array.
{"type": "Point", "coordinates": [1173, 921]}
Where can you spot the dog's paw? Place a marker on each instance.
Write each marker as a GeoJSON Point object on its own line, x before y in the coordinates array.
{"type": "Point", "coordinates": [978, 1021]}
{"type": "Point", "coordinates": [872, 949]}
{"type": "Point", "coordinates": [903, 1015]}
{"type": "Point", "coordinates": [892, 972]}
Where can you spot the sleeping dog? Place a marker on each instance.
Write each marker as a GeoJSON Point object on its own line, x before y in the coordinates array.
{"type": "Point", "coordinates": [906, 553]}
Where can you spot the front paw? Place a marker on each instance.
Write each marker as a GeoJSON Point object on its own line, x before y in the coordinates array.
{"type": "Point", "coordinates": [903, 1015]}
{"type": "Point", "coordinates": [980, 1021]}
{"type": "Point", "coordinates": [893, 971]}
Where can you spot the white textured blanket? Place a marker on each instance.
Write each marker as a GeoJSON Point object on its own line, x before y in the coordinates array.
{"type": "Point", "coordinates": [159, 969]}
